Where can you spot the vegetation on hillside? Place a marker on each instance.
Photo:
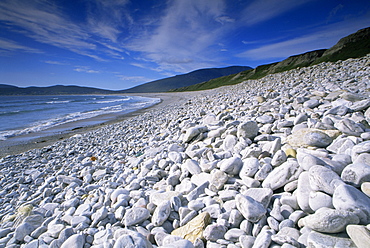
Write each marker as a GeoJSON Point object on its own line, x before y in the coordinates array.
{"type": "Point", "coordinates": [353, 46]}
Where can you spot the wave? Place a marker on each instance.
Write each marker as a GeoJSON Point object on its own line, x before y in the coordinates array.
{"type": "Point", "coordinates": [113, 101]}
{"type": "Point", "coordinates": [57, 102]}
{"type": "Point", "coordinates": [139, 102]}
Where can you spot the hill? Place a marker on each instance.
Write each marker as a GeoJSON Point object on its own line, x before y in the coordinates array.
{"type": "Point", "coordinates": [51, 90]}
{"type": "Point", "coordinates": [352, 46]}
{"type": "Point", "coordinates": [161, 85]}
{"type": "Point", "coordinates": [185, 80]}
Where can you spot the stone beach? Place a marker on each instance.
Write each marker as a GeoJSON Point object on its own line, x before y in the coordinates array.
{"type": "Point", "coordinates": [283, 161]}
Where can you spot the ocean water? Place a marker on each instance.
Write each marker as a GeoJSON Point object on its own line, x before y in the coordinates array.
{"type": "Point", "coordinates": [21, 115]}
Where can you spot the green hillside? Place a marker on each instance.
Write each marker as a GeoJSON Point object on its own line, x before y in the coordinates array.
{"type": "Point", "coordinates": [353, 46]}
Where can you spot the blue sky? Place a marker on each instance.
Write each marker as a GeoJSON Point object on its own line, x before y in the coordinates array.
{"type": "Point", "coordinates": [117, 44]}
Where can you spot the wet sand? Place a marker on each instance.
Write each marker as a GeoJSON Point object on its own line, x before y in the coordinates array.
{"type": "Point", "coordinates": [23, 143]}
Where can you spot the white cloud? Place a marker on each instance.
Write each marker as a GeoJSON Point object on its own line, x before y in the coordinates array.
{"type": "Point", "coordinates": [51, 62]}
{"type": "Point", "coordinates": [46, 23]}
{"type": "Point", "coordinates": [263, 10]}
{"type": "Point", "coordinates": [325, 37]}
{"type": "Point", "coordinates": [85, 69]}
{"type": "Point", "coordinates": [182, 39]}
{"type": "Point", "coordinates": [134, 78]}
{"type": "Point", "coordinates": [11, 46]}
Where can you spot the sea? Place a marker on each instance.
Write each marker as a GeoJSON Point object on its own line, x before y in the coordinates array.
{"type": "Point", "coordinates": [22, 115]}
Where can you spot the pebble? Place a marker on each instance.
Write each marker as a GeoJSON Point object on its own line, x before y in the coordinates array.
{"type": "Point", "coordinates": [360, 235]}
{"type": "Point", "coordinates": [74, 241]}
{"type": "Point", "coordinates": [251, 209]}
{"type": "Point", "coordinates": [249, 165]}
{"type": "Point", "coordinates": [328, 220]}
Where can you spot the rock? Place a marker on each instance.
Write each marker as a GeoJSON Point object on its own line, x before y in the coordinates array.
{"type": "Point", "coordinates": [348, 198]}
{"type": "Point", "coordinates": [363, 147]}
{"type": "Point", "coordinates": [324, 179]}
{"type": "Point", "coordinates": [135, 216]}
{"type": "Point", "coordinates": [365, 187]}
{"type": "Point", "coordinates": [233, 234]}
{"type": "Point", "coordinates": [196, 205]}
{"type": "Point", "coordinates": [247, 241]}
{"type": "Point", "coordinates": [218, 180]}
{"type": "Point", "coordinates": [69, 180]}
{"type": "Point", "coordinates": [195, 193]}
{"type": "Point", "coordinates": [278, 158]}
{"type": "Point", "coordinates": [161, 213]}
{"type": "Point", "coordinates": [303, 192]}
{"type": "Point", "coordinates": [264, 119]}
{"type": "Point", "coordinates": [317, 139]}
{"type": "Point", "coordinates": [231, 165]}
{"type": "Point", "coordinates": [192, 166]}
{"type": "Point", "coordinates": [360, 235]}
{"type": "Point", "coordinates": [338, 110]}
{"type": "Point", "coordinates": [319, 200]}
{"type": "Point", "coordinates": [262, 195]}
{"type": "Point", "coordinates": [132, 239]}
{"type": "Point", "coordinates": [194, 229]}
{"type": "Point", "coordinates": [171, 241]}
{"type": "Point", "coordinates": [263, 239]}
{"type": "Point", "coordinates": [316, 239]}
{"type": "Point", "coordinates": [23, 230]}
{"type": "Point", "coordinates": [312, 137]}
{"type": "Point", "coordinates": [360, 105]}
{"type": "Point", "coordinates": [55, 229]}
{"type": "Point", "coordinates": [306, 161]}
{"type": "Point", "coordinates": [74, 241]}
{"type": "Point", "coordinates": [214, 232]}
{"type": "Point", "coordinates": [287, 235]}
{"type": "Point", "coordinates": [349, 127]}
{"type": "Point", "coordinates": [99, 215]}
{"type": "Point", "coordinates": [116, 193]}
{"type": "Point", "coordinates": [249, 168]}
{"type": "Point", "coordinates": [252, 210]}
{"type": "Point", "coordinates": [193, 132]}
{"type": "Point", "coordinates": [230, 142]}
{"type": "Point", "coordinates": [312, 103]}
{"type": "Point", "coordinates": [356, 174]}
{"type": "Point", "coordinates": [248, 130]}
{"type": "Point", "coordinates": [158, 198]}
{"type": "Point", "coordinates": [329, 220]}
{"type": "Point", "coordinates": [281, 175]}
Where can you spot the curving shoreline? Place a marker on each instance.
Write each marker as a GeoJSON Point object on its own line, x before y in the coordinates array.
{"type": "Point", "coordinates": [280, 161]}
{"type": "Point", "coordinates": [18, 145]}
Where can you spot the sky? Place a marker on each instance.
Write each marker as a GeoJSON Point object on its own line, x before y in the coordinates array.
{"type": "Point", "coordinates": [118, 44]}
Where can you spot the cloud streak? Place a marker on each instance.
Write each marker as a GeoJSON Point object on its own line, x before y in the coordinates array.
{"type": "Point", "coordinates": [7, 46]}
{"type": "Point", "coordinates": [324, 37]}
{"type": "Point", "coordinates": [264, 10]}
{"type": "Point", "coordinates": [46, 23]}
{"type": "Point", "coordinates": [85, 69]}
{"type": "Point", "coordinates": [182, 36]}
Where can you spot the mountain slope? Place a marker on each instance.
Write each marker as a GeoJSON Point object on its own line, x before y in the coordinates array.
{"type": "Point", "coordinates": [184, 80]}
{"type": "Point", "coordinates": [353, 46]}
{"type": "Point", "coordinates": [51, 90]}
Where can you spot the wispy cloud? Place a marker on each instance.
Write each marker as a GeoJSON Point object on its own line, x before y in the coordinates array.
{"type": "Point", "coordinates": [52, 62]}
{"type": "Point", "coordinates": [7, 46]}
{"type": "Point", "coordinates": [324, 37]}
{"type": "Point", "coordinates": [134, 79]}
{"type": "Point", "coordinates": [85, 69]}
{"type": "Point", "coordinates": [184, 36]}
{"type": "Point", "coordinates": [46, 23]}
{"type": "Point", "coordinates": [263, 10]}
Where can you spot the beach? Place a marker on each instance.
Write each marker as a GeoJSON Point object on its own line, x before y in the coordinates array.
{"type": "Point", "coordinates": [32, 141]}
{"type": "Point", "coordinates": [281, 161]}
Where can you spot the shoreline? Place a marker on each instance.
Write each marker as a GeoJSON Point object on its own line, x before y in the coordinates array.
{"type": "Point", "coordinates": [17, 145]}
